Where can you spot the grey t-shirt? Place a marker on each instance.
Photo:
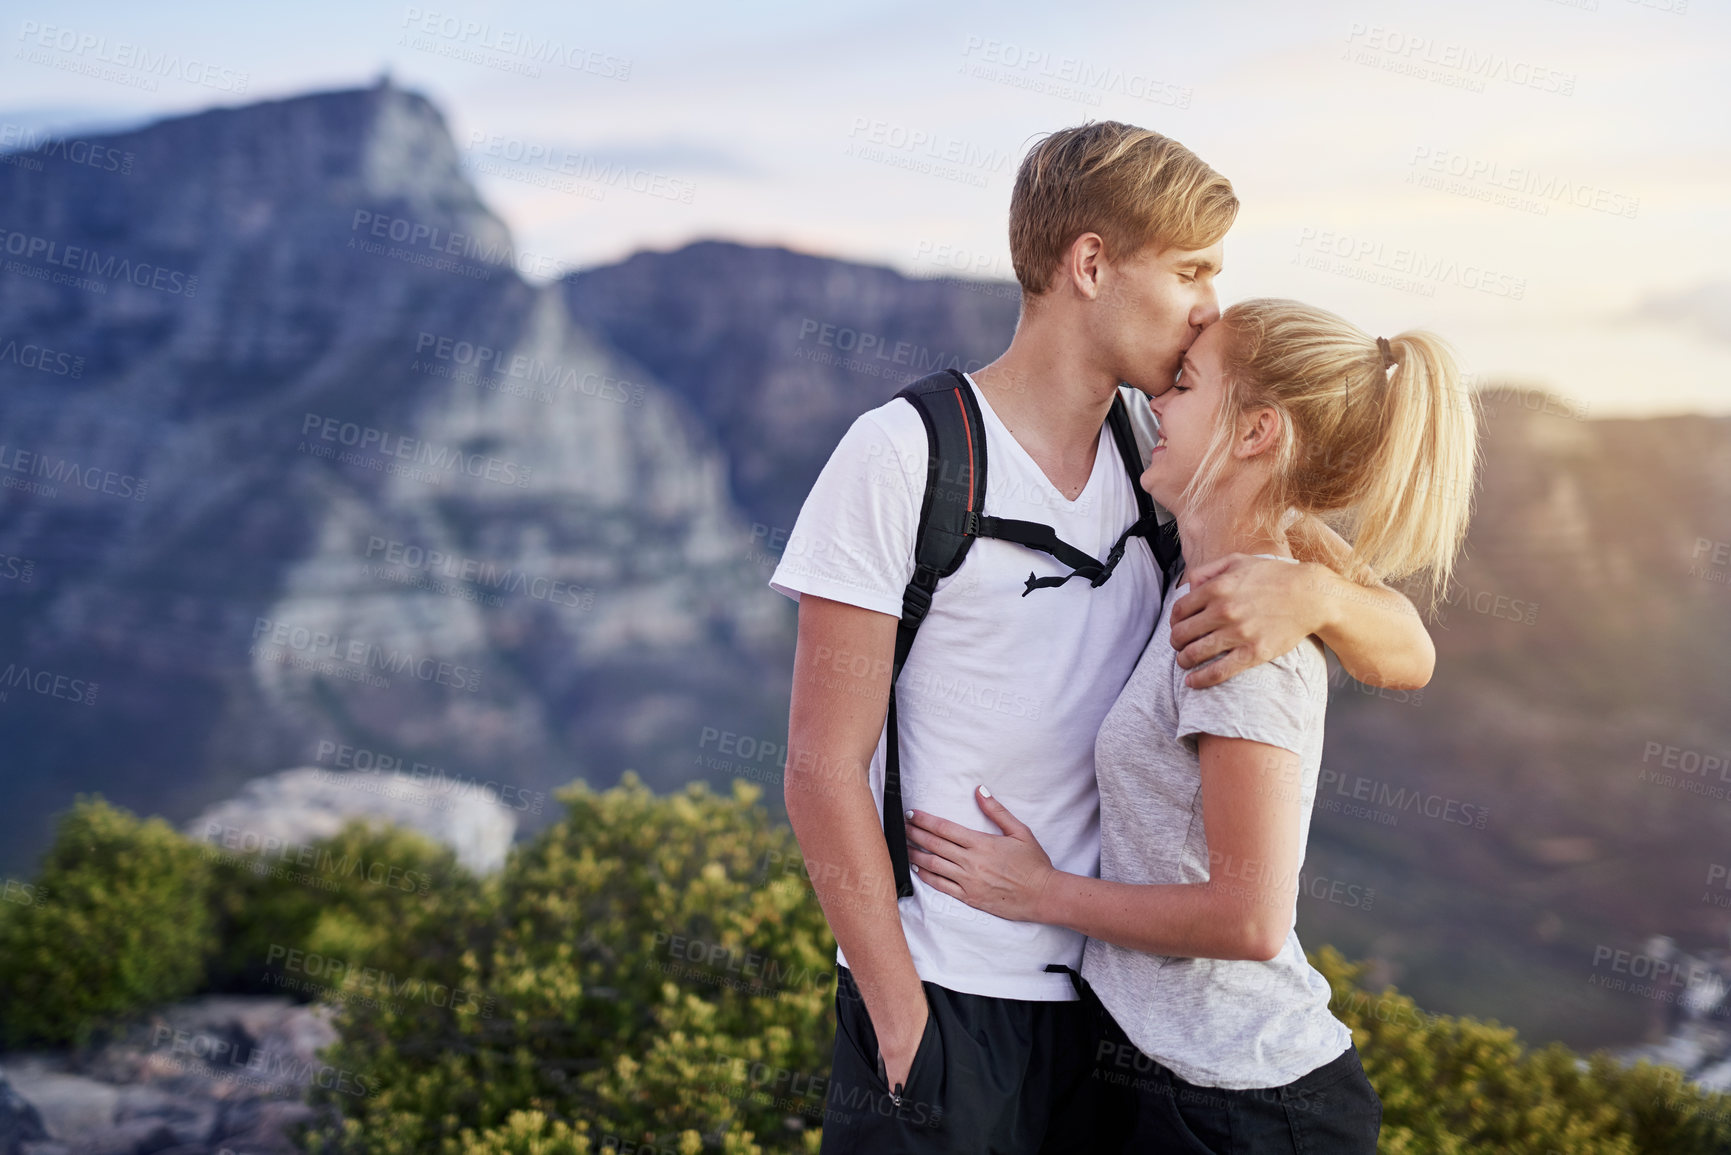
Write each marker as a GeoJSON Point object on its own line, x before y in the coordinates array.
{"type": "Point", "coordinates": [1228, 1023]}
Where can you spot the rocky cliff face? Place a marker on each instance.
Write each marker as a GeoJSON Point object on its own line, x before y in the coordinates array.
{"type": "Point", "coordinates": [325, 481]}
{"type": "Point", "coordinates": [779, 351]}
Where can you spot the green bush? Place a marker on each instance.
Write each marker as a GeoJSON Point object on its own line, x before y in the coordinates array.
{"type": "Point", "coordinates": [1457, 1085]}
{"type": "Point", "coordinates": [361, 896]}
{"type": "Point", "coordinates": [127, 914]}
{"type": "Point", "coordinates": [604, 1024]}
{"type": "Point", "coordinates": [121, 921]}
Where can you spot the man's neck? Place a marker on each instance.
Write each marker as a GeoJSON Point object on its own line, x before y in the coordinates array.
{"type": "Point", "coordinates": [1051, 397]}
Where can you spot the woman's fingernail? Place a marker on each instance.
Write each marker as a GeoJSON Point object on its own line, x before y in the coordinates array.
{"type": "Point", "coordinates": [913, 868]}
{"type": "Point", "coordinates": [984, 793]}
{"type": "Point", "coordinates": [908, 814]}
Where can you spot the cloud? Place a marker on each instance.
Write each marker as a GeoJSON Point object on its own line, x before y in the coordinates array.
{"type": "Point", "coordinates": [667, 156]}
{"type": "Point", "coordinates": [1704, 310]}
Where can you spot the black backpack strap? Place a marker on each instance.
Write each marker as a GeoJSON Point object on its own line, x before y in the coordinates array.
{"type": "Point", "coordinates": [1163, 540]}
{"type": "Point", "coordinates": [1038, 535]}
{"type": "Point", "coordinates": [949, 518]}
{"type": "Point", "coordinates": [1124, 437]}
{"type": "Point", "coordinates": [1168, 552]}
{"type": "Point", "coordinates": [1162, 536]}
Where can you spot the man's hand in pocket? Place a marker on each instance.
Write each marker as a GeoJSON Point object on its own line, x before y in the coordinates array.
{"type": "Point", "coordinates": [897, 1047]}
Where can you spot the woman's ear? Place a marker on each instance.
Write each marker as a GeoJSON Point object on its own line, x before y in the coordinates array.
{"type": "Point", "coordinates": [1258, 432]}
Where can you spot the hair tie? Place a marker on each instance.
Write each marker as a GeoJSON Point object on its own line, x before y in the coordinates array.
{"type": "Point", "coordinates": [1389, 364]}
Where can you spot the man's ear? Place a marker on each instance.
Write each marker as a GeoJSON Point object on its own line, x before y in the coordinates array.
{"type": "Point", "coordinates": [1258, 431]}
{"type": "Point", "coordinates": [1084, 264]}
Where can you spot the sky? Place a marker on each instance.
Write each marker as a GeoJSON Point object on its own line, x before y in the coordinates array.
{"type": "Point", "coordinates": [1543, 182]}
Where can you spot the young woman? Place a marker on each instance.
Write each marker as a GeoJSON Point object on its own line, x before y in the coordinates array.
{"type": "Point", "coordinates": [1218, 1035]}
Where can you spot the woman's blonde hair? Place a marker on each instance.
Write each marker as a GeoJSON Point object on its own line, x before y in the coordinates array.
{"type": "Point", "coordinates": [1385, 455]}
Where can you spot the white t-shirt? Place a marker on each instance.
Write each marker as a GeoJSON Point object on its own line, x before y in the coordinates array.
{"type": "Point", "coordinates": [999, 689]}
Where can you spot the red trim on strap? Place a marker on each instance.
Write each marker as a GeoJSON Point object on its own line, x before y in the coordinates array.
{"type": "Point", "coordinates": [969, 430]}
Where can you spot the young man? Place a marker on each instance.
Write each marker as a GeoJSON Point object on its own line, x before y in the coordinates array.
{"type": "Point", "coordinates": [952, 1034]}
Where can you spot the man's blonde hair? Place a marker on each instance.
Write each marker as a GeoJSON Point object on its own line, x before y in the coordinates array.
{"type": "Point", "coordinates": [1133, 186]}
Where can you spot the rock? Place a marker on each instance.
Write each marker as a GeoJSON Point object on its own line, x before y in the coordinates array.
{"type": "Point", "coordinates": [297, 807]}
{"type": "Point", "coordinates": [1715, 1077]}
{"type": "Point", "coordinates": [71, 1106]}
{"type": "Point", "coordinates": [138, 1137]}
{"type": "Point", "coordinates": [190, 1119]}
{"type": "Point", "coordinates": [268, 1125]}
{"type": "Point", "coordinates": [277, 1024]}
{"type": "Point", "coordinates": [215, 1047]}
{"type": "Point", "coordinates": [20, 1122]}
{"type": "Point", "coordinates": [221, 1073]}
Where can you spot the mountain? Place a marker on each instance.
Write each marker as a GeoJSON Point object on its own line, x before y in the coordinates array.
{"type": "Point", "coordinates": [778, 351]}
{"type": "Point", "coordinates": [296, 470]}
{"type": "Point", "coordinates": [313, 477]}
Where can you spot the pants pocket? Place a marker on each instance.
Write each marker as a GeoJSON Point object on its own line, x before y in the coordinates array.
{"type": "Point", "coordinates": [854, 1026]}
{"type": "Point", "coordinates": [854, 1023]}
{"type": "Point", "coordinates": [925, 1071]}
{"type": "Point", "coordinates": [1201, 1116]}
{"type": "Point", "coordinates": [928, 1063]}
{"type": "Point", "coordinates": [1345, 1115]}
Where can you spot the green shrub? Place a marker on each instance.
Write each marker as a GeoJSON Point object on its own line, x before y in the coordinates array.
{"type": "Point", "coordinates": [1457, 1085]}
{"type": "Point", "coordinates": [360, 896]}
{"type": "Point", "coordinates": [122, 921]}
{"type": "Point", "coordinates": [128, 914]}
{"type": "Point", "coordinates": [603, 1022]}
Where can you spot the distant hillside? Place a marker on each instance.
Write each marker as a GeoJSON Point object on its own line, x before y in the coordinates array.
{"type": "Point", "coordinates": [779, 351]}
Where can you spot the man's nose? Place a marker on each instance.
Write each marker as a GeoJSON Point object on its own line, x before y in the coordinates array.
{"type": "Point", "coordinates": [1207, 311]}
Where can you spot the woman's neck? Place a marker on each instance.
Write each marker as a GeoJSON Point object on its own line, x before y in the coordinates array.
{"type": "Point", "coordinates": [1224, 526]}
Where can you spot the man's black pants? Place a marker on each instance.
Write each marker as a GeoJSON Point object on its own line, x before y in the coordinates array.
{"type": "Point", "coordinates": [991, 1076]}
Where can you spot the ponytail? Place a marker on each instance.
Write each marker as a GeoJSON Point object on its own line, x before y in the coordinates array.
{"type": "Point", "coordinates": [1379, 439]}
{"type": "Point", "coordinates": [1412, 507]}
